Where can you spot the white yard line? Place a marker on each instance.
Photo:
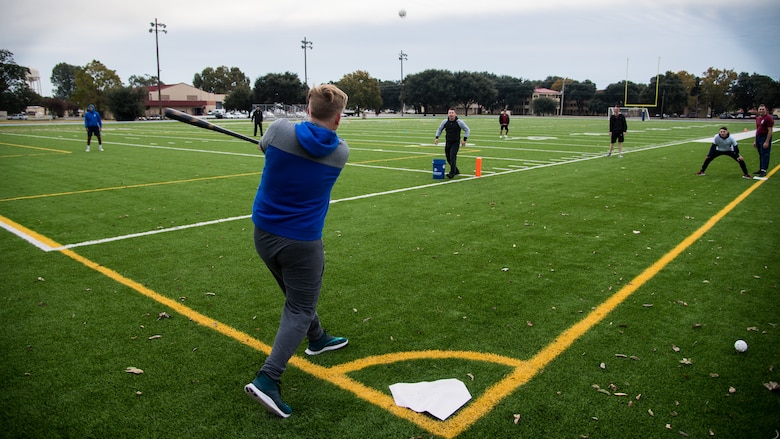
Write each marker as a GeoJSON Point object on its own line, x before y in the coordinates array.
{"type": "Point", "coordinates": [503, 171]}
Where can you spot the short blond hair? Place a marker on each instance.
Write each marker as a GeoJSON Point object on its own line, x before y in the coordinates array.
{"type": "Point", "coordinates": [326, 101]}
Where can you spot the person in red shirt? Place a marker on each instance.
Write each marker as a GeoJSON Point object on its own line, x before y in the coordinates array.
{"type": "Point", "coordinates": [503, 124]}
{"type": "Point", "coordinates": [763, 143]}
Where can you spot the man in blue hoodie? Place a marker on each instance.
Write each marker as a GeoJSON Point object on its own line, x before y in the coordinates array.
{"type": "Point", "coordinates": [302, 163]}
{"type": "Point", "coordinates": [94, 125]}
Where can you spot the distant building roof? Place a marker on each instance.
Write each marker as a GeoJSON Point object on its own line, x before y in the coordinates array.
{"type": "Point", "coordinates": [546, 91]}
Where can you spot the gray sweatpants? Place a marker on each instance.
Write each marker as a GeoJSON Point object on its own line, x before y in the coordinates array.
{"type": "Point", "coordinates": [298, 267]}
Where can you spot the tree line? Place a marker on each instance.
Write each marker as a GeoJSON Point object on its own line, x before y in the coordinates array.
{"type": "Point", "coordinates": [431, 91]}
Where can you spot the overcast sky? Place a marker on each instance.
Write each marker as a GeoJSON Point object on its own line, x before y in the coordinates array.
{"type": "Point", "coordinates": [603, 41]}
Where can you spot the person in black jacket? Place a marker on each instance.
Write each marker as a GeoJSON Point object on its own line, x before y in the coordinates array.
{"type": "Point", "coordinates": [503, 124]}
{"type": "Point", "coordinates": [617, 128]}
{"type": "Point", "coordinates": [452, 127]}
{"type": "Point", "coordinates": [257, 118]}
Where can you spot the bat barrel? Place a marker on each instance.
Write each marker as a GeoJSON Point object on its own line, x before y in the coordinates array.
{"type": "Point", "coordinates": [202, 123]}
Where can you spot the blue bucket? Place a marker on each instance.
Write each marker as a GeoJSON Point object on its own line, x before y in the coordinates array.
{"type": "Point", "coordinates": [438, 169]}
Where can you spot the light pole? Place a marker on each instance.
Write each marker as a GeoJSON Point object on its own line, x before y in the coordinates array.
{"type": "Point", "coordinates": [305, 45]}
{"type": "Point", "coordinates": [402, 57]}
{"type": "Point", "coordinates": [157, 28]}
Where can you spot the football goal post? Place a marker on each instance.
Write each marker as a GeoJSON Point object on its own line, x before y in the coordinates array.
{"type": "Point", "coordinates": [646, 104]}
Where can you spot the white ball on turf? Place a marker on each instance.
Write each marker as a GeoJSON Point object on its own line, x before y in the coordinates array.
{"type": "Point", "coordinates": [402, 13]}
{"type": "Point", "coordinates": [740, 346]}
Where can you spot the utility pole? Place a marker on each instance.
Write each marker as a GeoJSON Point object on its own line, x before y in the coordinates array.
{"type": "Point", "coordinates": [157, 28]}
{"type": "Point", "coordinates": [305, 45]}
{"type": "Point", "coordinates": [402, 57]}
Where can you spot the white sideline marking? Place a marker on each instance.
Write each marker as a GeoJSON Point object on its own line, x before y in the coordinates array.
{"type": "Point", "coordinates": [151, 232]}
{"type": "Point", "coordinates": [26, 237]}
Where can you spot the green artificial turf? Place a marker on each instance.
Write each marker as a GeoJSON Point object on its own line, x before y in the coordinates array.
{"type": "Point", "coordinates": [503, 265]}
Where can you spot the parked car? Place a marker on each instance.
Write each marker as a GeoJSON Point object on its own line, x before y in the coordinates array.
{"type": "Point", "coordinates": [19, 116]}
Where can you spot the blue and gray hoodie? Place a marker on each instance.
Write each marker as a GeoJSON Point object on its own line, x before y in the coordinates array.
{"type": "Point", "coordinates": [302, 163]}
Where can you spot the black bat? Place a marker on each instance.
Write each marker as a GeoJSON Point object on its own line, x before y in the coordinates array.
{"type": "Point", "coordinates": [192, 120]}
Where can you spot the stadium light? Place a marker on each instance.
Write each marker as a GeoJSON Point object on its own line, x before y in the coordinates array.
{"type": "Point", "coordinates": [305, 45]}
{"type": "Point", "coordinates": [157, 28]}
{"type": "Point", "coordinates": [402, 57]}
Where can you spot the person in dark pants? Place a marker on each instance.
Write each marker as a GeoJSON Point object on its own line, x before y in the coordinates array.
{"type": "Point", "coordinates": [617, 129]}
{"type": "Point", "coordinates": [503, 124]}
{"type": "Point", "coordinates": [452, 127]}
{"type": "Point", "coordinates": [257, 118]}
{"type": "Point", "coordinates": [302, 163]}
{"type": "Point", "coordinates": [94, 125]}
{"type": "Point", "coordinates": [763, 143]}
{"type": "Point", "coordinates": [724, 144]}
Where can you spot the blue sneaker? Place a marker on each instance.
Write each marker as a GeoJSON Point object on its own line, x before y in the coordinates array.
{"type": "Point", "coordinates": [268, 393]}
{"type": "Point", "coordinates": [326, 343]}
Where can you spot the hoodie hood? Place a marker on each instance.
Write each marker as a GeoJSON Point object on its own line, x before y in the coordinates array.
{"type": "Point", "coordinates": [90, 107]}
{"type": "Point", "coordinates": [316, 140]}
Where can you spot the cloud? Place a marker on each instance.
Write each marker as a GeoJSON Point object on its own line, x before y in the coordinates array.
{"type": "Point", "coordinates": [532, 40]}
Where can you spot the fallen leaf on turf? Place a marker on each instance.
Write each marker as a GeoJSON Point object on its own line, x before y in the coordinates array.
{"type": "Point", "coordinates": [675, 348]}
{"type": "Point", "coordinates": [517, 418]}
{"type": "Point", "coordinates": [620, 394]}
{"type": "Point", "coordinates": [772, 386]}
{"type": "Point", "coordinates": [636, 232]}
{"type": "Point", "coordinates": [505, 269]}
{"type": "Point", "coordinates": [155, 337]}
{"type": "Point", "coordinates": [603, 365]}
{"type": "Point", "coordinates": [732, 389]}
{"type": "Point", "coordinates": [648, 305]}
{"type": "Point", "coordinates": [134, 370]}
{"type": "Point", "coordinates": [752, 328]}
{"type": "Point", "coordinates": [686, 361]}
{"type": "Point", "coordinates": [714, 375]}
{"type": "Point", "coordinates": [697, 326]}
{"type": "Point", "coordinates": [621, 355]}
{"type": "Point", "coordinates": [634, 357]}
{"type": "Point", "coordinates": [163, 315]}
{"type": "Point", "coordinates": [470, 376]}
{"type": "Point", "coordinates": [605, 391]}
{"type": "Point", "coordinates": [40, 279]}
{"type": "Point", "coordinates": [650, 412]}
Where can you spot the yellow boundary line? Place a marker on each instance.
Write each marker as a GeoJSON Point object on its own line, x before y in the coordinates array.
{"type": "Point", "coordinates": [61, 151]}
{"type": "Point", "coordinates": [129, 186]}
{"type": "Point", "coordinates": [523, 371]}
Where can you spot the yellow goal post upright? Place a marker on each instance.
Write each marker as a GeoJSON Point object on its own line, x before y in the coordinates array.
{"type": "Point", "coordinates": [639, 109]}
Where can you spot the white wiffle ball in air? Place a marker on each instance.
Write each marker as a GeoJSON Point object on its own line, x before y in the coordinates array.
{"type": "Point", "coordinates": [740, 346]}
{"type": "Point", "coordinates": [402, 13]}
